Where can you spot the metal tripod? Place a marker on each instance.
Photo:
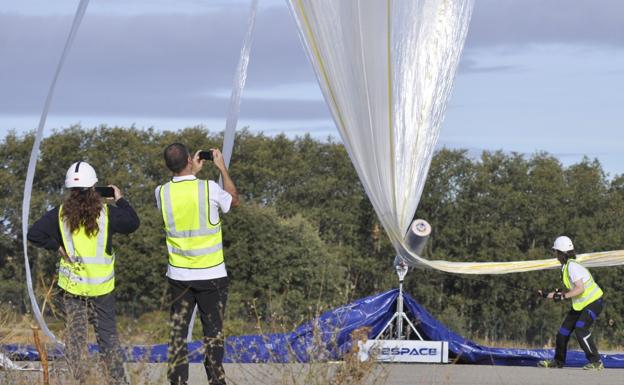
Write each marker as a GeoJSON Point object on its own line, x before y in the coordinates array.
{"type": "Point", "coordinates": [399, 315]}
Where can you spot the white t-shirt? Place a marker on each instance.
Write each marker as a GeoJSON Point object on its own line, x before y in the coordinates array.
{"type": "Point", "coordinates": [219, 200]}
{"type": "Point", "coordinates": [576, 271]}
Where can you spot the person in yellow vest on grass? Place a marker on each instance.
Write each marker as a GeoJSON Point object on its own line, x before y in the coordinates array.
{"type": "Point", "coordinates": [587, 304]}
{"type": "Point", "coordinates": [81, 231]}
{"type": "Point", "coordinates": [196, 270]}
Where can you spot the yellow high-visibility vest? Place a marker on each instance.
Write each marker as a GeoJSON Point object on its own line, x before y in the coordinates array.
{"type": "Point", "coordinates": [591, 293]}
{"type": "Point", "coordinates": [90, 270]}
{"type": "Point", "coordinates": [192, 241]}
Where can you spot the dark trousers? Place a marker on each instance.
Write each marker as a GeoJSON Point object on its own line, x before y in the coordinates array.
{"type": "Point", "coordinates": [100, 312]}
{"type": "Point", "coordinates": [210, 297]}
{"type": "Point", "coordinates": [579, 323]}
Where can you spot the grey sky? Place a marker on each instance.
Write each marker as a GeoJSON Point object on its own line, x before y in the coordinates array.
{"type": "Point", "coordinates": [535, 75]}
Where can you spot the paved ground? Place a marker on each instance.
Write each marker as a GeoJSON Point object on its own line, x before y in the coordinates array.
{"type": "Point", "coordinates": [324, 374]}
{"type": "Point", "coordinates": [404, 374]}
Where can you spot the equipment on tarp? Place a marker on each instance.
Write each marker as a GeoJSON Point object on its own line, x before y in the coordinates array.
{"type": "Point", "coordinates": [393, 342]}
{"type": "Point", "coordinates": [416, 238]}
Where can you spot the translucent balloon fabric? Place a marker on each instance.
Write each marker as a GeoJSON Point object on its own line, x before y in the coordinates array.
{"type": "Point", "coordinates": [386, 69]}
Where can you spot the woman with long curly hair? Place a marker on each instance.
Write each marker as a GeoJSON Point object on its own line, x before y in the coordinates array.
{"type": "Point", "coordinates": [81, 230]}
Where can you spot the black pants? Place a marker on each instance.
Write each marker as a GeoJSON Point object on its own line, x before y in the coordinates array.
{"type": "Point", "coordinates": [210, 297]}
{"type": "Point", "coordinates": [579, 322]}
{"type": "Point", "coordinates": [100, 312]}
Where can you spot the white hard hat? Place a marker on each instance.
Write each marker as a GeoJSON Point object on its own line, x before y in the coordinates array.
{"type": "Point", "coordinates": [80, 174]}
{"type": "Point", "coordinates": [563, 244]}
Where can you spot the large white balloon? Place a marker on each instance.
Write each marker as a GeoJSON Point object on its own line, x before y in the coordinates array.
{"type": "Point", "coordinates": [386, 69]}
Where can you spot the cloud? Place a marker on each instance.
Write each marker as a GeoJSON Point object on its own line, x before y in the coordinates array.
{"type": "Point", "coordinates": [170, 63]}
{"type": "Point", "coordinates": [520, 22]}
{"type": "Point", "coordinates": [469, 65]}
{"type": "Point", "coordinates": [153, 63]}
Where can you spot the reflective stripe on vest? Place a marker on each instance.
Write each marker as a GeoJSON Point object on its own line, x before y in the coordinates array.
{"type": "Point", "coordinates": [192, 241]}
{"type": "Point", "coordinates": [591, 293]}
{"type": "Point", "coordinates": [89, 271]}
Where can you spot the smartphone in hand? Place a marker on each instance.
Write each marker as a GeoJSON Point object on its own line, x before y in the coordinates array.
{"type": "Point", "coordinates": [206, 155]}
{"type": "Point", "coordinates": [105, 192]}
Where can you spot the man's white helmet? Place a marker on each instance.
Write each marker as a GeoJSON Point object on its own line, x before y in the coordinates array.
{"type": "Point", "coordinates": [563, 244]}
{"type": "Point", "coordinates": [80, 174]}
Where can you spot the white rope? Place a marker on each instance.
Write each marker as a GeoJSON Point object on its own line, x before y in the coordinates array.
{"type": "Point", "coordinates": [234, 109]}
{"type": "Point", "coordinates": [34, 154]}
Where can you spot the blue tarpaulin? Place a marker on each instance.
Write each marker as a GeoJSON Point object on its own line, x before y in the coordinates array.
{"type": "Point", "coordinates": [328, 337]}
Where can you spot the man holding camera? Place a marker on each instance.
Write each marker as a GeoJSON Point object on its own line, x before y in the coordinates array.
{"type": "Point", "coordinates": [196, 271]}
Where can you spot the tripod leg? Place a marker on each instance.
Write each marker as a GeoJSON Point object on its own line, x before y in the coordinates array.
{"type": "Point", "coordinates": [388, 324]}
{"type": "Point", "coordinates": [403, 315]}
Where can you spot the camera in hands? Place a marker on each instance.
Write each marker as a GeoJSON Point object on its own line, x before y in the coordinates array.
{"type": "Point", "coordinates": [206, 155]}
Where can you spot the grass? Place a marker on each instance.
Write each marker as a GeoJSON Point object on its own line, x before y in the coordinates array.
{"type": "Point", "coordinates": [154, 327]}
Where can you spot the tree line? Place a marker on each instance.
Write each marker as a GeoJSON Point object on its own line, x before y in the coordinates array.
{"type": "Point", "coordinates": [306, 237]}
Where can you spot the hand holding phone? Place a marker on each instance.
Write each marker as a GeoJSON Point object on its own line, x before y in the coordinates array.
{"type": "Point", "coordinates": [105, 192]}
{"type": "Point", "coordinates": [206, 155]}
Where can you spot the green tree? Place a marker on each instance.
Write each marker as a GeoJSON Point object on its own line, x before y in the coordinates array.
{"type": "Point", "coordinates": [306, 236]}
